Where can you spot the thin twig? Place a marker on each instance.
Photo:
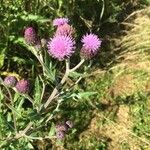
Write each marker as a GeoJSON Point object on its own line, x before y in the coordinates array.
{"type": "Point", "coordinates": [78, 65]}
{"type": "Point", "coordinates": [102, 11]}
{"type": "Point", "coordinates": [22, 133]}
{"type": "Point", "coordinates": [55, 110]}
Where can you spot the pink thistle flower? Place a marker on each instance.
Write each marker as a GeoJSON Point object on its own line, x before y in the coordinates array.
{"type": "Point", "coordinates": [23, 86]}
{"type": "Point", "coordinates": [64, 29]}
{"type": "Point", "coordinates": [10, 81]}
{"type": "Point", "coordinates": [30, 35]}
{"type": "Point", "coordinates": [91, 44]}
{"type": "Point", "coordinates": [61, 127]}
{"type": "Point", "coordinates": [60, 21]}
{"type": "Point", "coordinates": [61, 47]}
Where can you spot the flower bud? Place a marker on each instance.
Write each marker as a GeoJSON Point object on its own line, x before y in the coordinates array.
{"type": "Point", "coordinates": [23, 86]}
{"type": "Point", "coordinates": [60, 21]}
{"type": "Point", "coordinates": [65, 29]}
{"type": "Point", "coordinates": [61, 127]}
{"type": "Point", "coordinates": [60, 135]}
{"type": "Point", "coordinates": [10, 81]}
{"type": "Point", "coordinates": [30, 36]}
{"type": "Point", "coordinates": [86, 54]}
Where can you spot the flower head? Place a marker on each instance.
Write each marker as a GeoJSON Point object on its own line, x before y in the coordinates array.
{"type": "Point", "coordinates": [10, 81]}
{"type": "Point", "coordinates": [64, 29]}
{"type": "Point", "coordinates": [60, 21]}
{"type": "Point", "coordinates": [60, 135]}
{"type": "Point", "coordinates": [61, 127]}
{"type": "Point", "coordinates": [61, 47]}
{"type": "Point", "coordinates": [23, 86]}
{"type": "Point", "coordinates": [30, 35]}
{"type": "Point", "coordinates": [91, 44]}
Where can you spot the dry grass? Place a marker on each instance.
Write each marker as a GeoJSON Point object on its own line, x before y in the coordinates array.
{"type": "Point", "coordinates": [117, 133]}
{"type": "Point", "coordinates": [138, 33]}
{"type": "Point", "coordinates": [131, 75]}
{"type": "Point", "coordinates": [134, 57]}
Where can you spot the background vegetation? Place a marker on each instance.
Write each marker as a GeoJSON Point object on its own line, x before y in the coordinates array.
{"type": "Point", "coordinates": [116, 117]}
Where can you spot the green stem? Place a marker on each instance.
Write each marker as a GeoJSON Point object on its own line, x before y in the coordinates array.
{"type": "Point", "coordinates": [68, 70]}
{"type": "Point", "coordinates": [78, 65]}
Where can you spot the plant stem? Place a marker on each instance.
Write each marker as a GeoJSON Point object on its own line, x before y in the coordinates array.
{"type": "Point", "coordinates": [55, 110]}
{"type": "Point", "coordinates": [78, 65]}
{"type": "Point", "coordinates": [55, 91]}
{"type": "Point", "coordinates": [40, 58]}
{"type": "Point", "coordinates": [25, 96]}
{"type": "Point", "coordinates": [68, 70]}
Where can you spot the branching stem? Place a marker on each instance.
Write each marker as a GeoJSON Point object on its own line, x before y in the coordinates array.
{"type": "Point", "coordinates": [68, 71]}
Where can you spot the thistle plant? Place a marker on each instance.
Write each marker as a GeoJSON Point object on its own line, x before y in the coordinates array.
{"type": "Point", "coordinates": [44, 110]}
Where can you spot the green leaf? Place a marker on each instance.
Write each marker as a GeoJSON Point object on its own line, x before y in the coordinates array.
{"type": "Point", "coordinates": [86, 95]}
{"type": "Point", "coordinates": [20, 41]}
{"type": "Point", "coordinates": [37, 91]}
{"type": "Point", "coordinates": [6, 122]}
{"type": "Point", "coordinates": [29, 145]}
{"type": "Point", "coordinates": [75, 74]}
{"type": "Point", "coordinates": [52, 130]}
{"type": "Point", "coordinates": [82, 95]}
{"type": "Point", "coordinates": [1, 95]}
{"type": "Point", "coordinates": [51, 74]}
{"type": "Point", "coordinates": [19, 106]}
{"type": "Point", "coordinates": [14, 110]}
{"type": "Point", "coordinates": [16, 97]}
{"type": "Point", "coordinates": [9, 118]}
{"type": "Point", "coordinates": [19, 60]}
{"type": "Point", "coordinates": [36, 18]}
{"type": "Point", "coordinates": [2, 57]}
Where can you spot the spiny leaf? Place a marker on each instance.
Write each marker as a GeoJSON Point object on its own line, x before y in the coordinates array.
{"type": "Point", "coordinates": [37, 91]}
